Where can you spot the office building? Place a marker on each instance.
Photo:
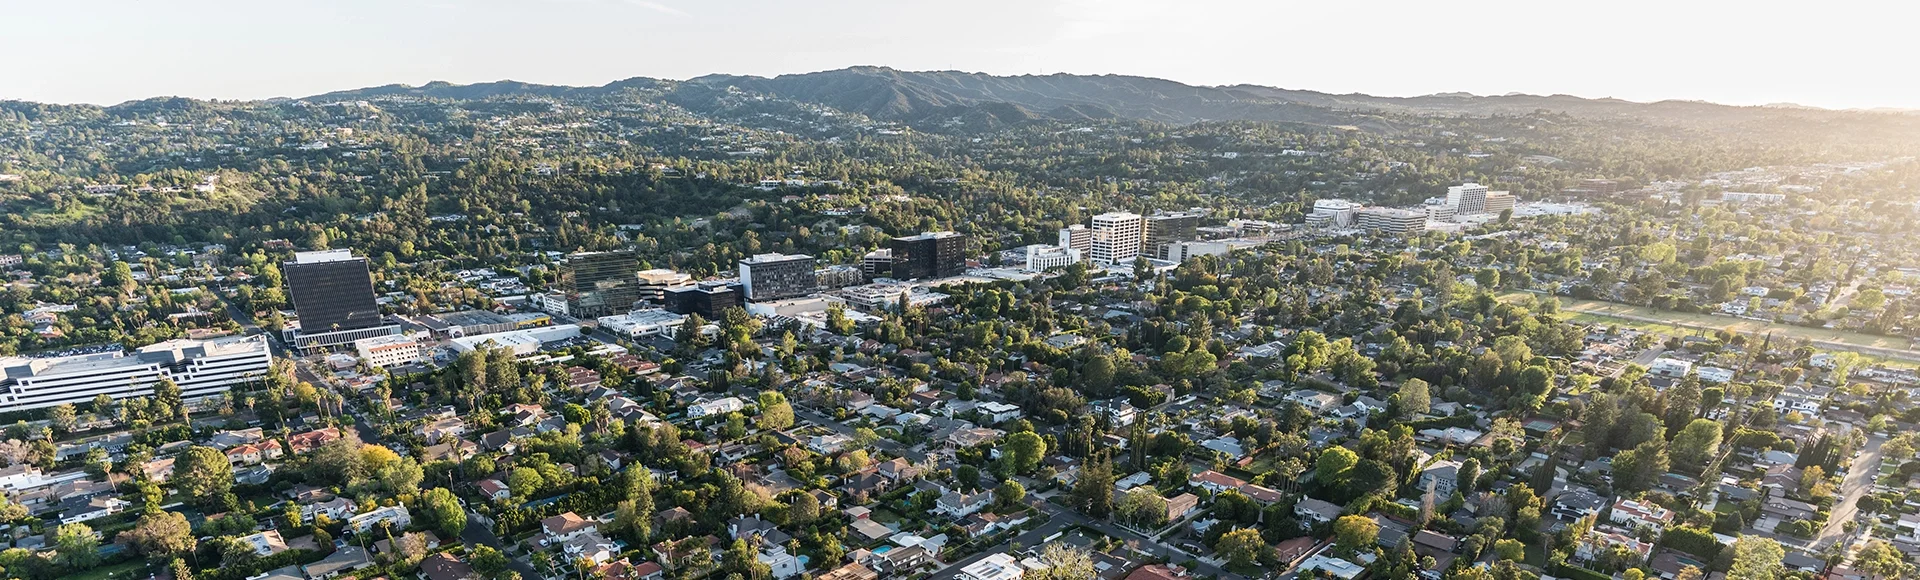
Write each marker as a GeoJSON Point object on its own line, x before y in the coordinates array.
{"type": "Point", "coordinates": [1116, 238]}
{"type": "Point", "coordinates": [643, 323]}
{"type": "Point", "coordinates": [654, 283]}
{"type": "Point", "coordinates": [1167, 227]}
{"type": "Point", "coordinates": [600, 283]}
{"type": "Point", "coordinates": [877, 264]}
{"type": "Point", "coordinates": [389, 351]}
{"type": "Point", "coordinates": [1468, 198]}
{"type": "Point", "coordinates": [776, 276]}
{"type": "Point", "coordinates": [466, 323]}
{"type": "Point", "coordinates": [707, 299]}
{"type": "Point", "coordinates": [1078, 237]}
{"type": "Point", "coordinates": [1332, 213]}
{"type": "Point", "coordinates": [1392, 221]}
{"type": "Point", "coordinates": [1440, 211]}
{"type": "Point", "coordinates": [199, 367]}
{"type": "Point", "coordinates": [332, 292]}
{"type": "Point", "coordinates": [1182, 251]}
{"type": "Point", "coordinates": [1497, 202]}
{"type": "Point", "coordinates": [929, 255]}
{"type": "Point", "coordinates": [1042, 257]}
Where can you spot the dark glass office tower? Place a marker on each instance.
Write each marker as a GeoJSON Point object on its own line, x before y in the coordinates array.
{"type": "Point", "coordinates": [332, 290]}
{"type": "Point", "coordinates": [777, 276]}
{"type": "Point", "coordinates": [600, 283]}
{"type": "Point", "coordinates": [929, 255]}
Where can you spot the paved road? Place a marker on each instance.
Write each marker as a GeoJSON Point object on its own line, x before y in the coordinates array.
{"type": "Point", "coordinates": [1858, 482]}
{"type": "Point", "coordinates": [1059, 518]}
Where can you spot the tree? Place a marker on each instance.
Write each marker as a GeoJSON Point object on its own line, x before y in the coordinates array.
{"type": "Point", "coordinates": [1024, 450]}
{"type": "Point", "coordinates": [1009, 493]}
{"type": "Point", "coordinates": [1510, 549]}
{"type": "Point", "coordinates": [803, 509]}
{"type": "Point", "coordinates": [775, 412]}
{"type": "Point", "coordinates": [1756, 558]}
{"type": "Point", "coordinates": [62, 417]}
{"type": "Point", "coordinates": [1062, 562]}
{"type": "Point", "coordinates": [1093, 491]}
{"type": "Point", "coordinates": [1333, 463]}
{"type": "Point", "coordinates": [1355, 532]}
{"type": "Point", "coordinates": [443, 509]}
{"type": "Point", "coordinates": [525, 481]}
{"type": "Point", "coordinates": [1143, 506]}
{"type": "Point", "coordinates": [487, 562]}
{"type": "Point", "coordinates": [1636, 469]}
{"type": "Point", "coordinates": [161, 535]}
{"type": "Point", "coordinates": [1414, 398]}
{"type": "Point", "coordinates": [76, 548]}
{"type": "Point", "coordinates": [1242, 547]}
{"type": "Point", "coordinates": [743, 561]}
{"type": "Point", "coordinates": [204, 474]}
{"type": "Point", "coordinates": [1697, 443]}
{"type": "Point", "coordinates": [1881, 560]}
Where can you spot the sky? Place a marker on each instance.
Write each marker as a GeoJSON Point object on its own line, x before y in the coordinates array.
{"type": "Point", "coordinates": [1835, 53]}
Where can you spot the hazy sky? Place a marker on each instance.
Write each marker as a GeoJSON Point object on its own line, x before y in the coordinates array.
{"type": "Point", "coordinates": [1835, 53]}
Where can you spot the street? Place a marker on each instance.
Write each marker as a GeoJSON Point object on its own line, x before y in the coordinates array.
{"type": "Point", "coordinates": [1858, 482]}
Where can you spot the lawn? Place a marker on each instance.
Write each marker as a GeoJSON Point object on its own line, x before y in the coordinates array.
{"type": "Point", "coordinates": [1689, 323]}
{"type": "Point", "coordinates": [125, 570]}
{"type": "Point", "coordinates": [885, 516]}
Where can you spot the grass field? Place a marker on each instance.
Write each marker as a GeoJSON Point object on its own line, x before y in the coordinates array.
{"type": "Point", "coordinates": [1687, 323]}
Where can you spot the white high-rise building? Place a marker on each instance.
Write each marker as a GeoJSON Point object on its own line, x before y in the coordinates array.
{"type": "Point", "coordinates": [1468, 198]}
{"type": "Point", "coordinates": [1117, 237]}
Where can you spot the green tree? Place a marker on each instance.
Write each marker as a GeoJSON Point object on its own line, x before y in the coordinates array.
{"type": "Point", "coordinates": [1756, 558]}
{"type": "Point", "coordinates": [1414, 397]}
{"type": "Point", "coordinates": [161, 535]}
{"type": "Point", "coordinates": [1697, 443]}
{"type": "Point", "coordinates": [1510, 549]}
{"type": "Point", "coordinates": [1242, 547]}
{"type": "Point", "coordinates": [204, 474]}
{"type": "Point", "coordinates": [443, 509]}
{"type": "Point", "coordinates": [1024, 450]}
{"type": "Point", "coordinates": [76, 548]}
{"type": "Point", "coordinates": [1332, 465]}
{"type": "Point", "coordinates": [1355, 532]}
{"type": "Point", "coordinates": [775, 412]}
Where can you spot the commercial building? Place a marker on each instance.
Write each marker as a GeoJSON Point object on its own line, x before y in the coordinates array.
{"type": "Point", "coordinates": [1116, 238]}
{"type": "Point", "coordinates": [466, 322]}
{"type": "Point", "coordinates": [1468, 198]}
{"type": "Point", "coordinates": [929, 255]}
{"type": "Point", "coordinates": [1392, 221]}
{"type": "Point", "coordinates": [654, 283]}
{"type": "Point", "coordinates": [600, 283]}
{"type": "Point", "coordinates": [887, 296]}
{"type": "Point", "coordinates": [707, 299]}
{"type": "Point", "coordinates": [996, 566]}
{"type": "Point", "coordinates": [1332, 213]}
{"type": "Point", "coordinates": [776, 276]}
{"type": "Point", "coordinates": [1498, 201]}
{"type": "Point", "coordinates": [840, 276]}
{"type": "Point", "coordinates": [1441, 212]}
{"type": "Point", "coordinates": [877, 264]}
{"type": "Point", "coordinates": [1182, 251]}
{"type": "Point", "coordinates": [332, 292]}
{"type": "Point", "coordinates": [199, 367]}
{"type": "Point", "coordinates": [1164, 228]}
{"type": "Point", "coordinates": [521, 342]}
{"type": "Point", "coordinates": [1078, 237]}
{"type": "Point", "coordinates": [643, 323]}
{"type": "Point", "coordinates": [1744, 197]}
{"type": "Point", "coordinates": [1042, 257]}
{"type": "Point", "coordinates": [389, 351]}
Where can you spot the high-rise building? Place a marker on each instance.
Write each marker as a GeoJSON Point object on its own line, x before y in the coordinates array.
{"type": "Point", "coordinates": [1116, 238]}
{"type": "Point", "coordinates": [199, 367]}
{"type": "Point", "coordinates": [776, 276]}
{"type": "Point", "coordinates": [332, 293]}
{"type": "Point", "coordinates": [1468, 198]}
{"type": "Point", "coordinates": [600, 283]}
{"type": "Point", "coordinates": [1077, 237]}
{"type": "Point", "coordinates": [707, 299]}
{"type": "Point", "coordinates": [654, 283]}
{"type": "Point", "coordinates": [1163, 228]}
{"type": "Point", "coordinates": [929, 255]}
{"type": "Point", "coordinates": [1393, 221]}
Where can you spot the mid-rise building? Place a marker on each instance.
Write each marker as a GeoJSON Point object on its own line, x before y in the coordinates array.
{"type": "Point", "coordinates": [775, 276]}
{"type": "Point", "coordinates": [1392, 221]}
{"type": "Point", "coordinates": [1182, 251]}
{"type": "Point", "coordinates": [600, 283]}
{"type": "Point", "coordinates": [199, 367]}
{"type": "Point", "coordinates": [1440, 212]}
{"type": "Point", "coordinates": [707, 299]}
{"type": "Point", "coordinates": [840, 276]}
{"type": "Point", "coordinates": [1078, 237]}
{"type": "Point", "coordinates": [1042, 257]}
{"type": "Point", "coordinates": [1468, 198]}
{"type": "Point", "coordinates": [1332, 213]}
{"type": "Point", "coordinates": [929, 255]}
{"type": "Point", "coordinates": [877, 264]}
{"type": "Point", "coordinates": [389, 351]}
{"type": "Point", "coordinates": [654, 283]}
{"type": "Point", "coordinates": [1117, 237]}
{"type": "Point", "coordinates": [1164, 228]}
{"type": "Point", "coordinates": [1498, 201]}
{"type": "Point", "coordinates": [332, 292]}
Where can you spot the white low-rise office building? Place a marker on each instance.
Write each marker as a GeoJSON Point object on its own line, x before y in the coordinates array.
{"type": "Point", "coordinates": [199, 367]}
{"type": "Point", "coordinates": [643, 323]}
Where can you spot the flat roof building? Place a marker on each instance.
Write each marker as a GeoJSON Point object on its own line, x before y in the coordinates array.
{"type": "Point", "coordinates": [332, 292]}
{"type": "Point", "coordinates": [199, 367]}
{"type": "Point", "coordinates": [1392, 221]}
{"type": "Point", "coordinates": [707, 299]}
{"type": "Point", "coordinates": [654, 283]}
{"type": "Point", "coordinates": [929, 255]}
{"type": "Point", "coordinates": [466, 322]}
{"type": "Point", "coordinates": [643, 323]}
{"type": "Point", "coordinates": [1117, 237]}
{"type": "Point", "coordinates": [600, 283]}
{"type": "Point", "coordinates": [776, 276]}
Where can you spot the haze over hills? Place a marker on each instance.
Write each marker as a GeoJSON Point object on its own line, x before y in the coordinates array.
{"type": "Point", "coordinates": [910, 96]}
